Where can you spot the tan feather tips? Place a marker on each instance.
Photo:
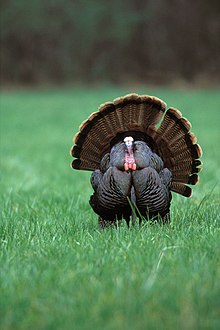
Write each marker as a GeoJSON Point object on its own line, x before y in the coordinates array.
{"type": "Point", "coordinates": [140, 99]}
{"type": "Point", "coordinates": [129, 113]}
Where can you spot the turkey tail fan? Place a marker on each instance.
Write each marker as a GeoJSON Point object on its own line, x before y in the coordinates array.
{"type": "Point", "coordinates": [129, 113]}
{"type": "Point", "coordinates": [179, 151]}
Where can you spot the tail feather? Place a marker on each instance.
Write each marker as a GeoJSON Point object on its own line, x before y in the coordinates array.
{"type": "Point", "coordinates": [187, 166]}
{"type": "Point", "coordinates": [189, 139]}
{"type": "Point", "coordinates": [191, 152]}
{"type": "Point", "coordinates": [181, 189]}
{"type": "Point", "coordinates": [173, 133]}
{"type": "Point", "coordinates": [110, 118]}
{"type": "Point", "coordinates": [81, 164]}
{"type": "Point", "coordinates": [169, 120]}
{"type": "Point", "coordinates": [185, 178]}
{"type": "Point", "coordinates": [126, 110]}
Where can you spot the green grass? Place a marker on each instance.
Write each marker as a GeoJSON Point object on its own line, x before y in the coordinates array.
{"type": "Point", "coordinates": [57, 270]}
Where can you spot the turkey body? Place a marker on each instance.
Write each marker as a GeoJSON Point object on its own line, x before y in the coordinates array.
{"type": "Point", "coordinates": [115, 190]}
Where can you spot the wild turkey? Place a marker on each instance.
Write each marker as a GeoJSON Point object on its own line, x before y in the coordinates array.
{"type": "Point", "coordinates": [136, 163]}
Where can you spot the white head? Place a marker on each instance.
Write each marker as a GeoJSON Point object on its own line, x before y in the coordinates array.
{"type": "Point", "coordinates": [128, 140]}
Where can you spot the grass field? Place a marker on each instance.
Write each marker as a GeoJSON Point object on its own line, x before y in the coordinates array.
{"type": "Point", "coordinates": [57, 270]}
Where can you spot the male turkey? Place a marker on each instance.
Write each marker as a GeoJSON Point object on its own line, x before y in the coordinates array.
{"type": "Point", "coordinates": [136, 163]}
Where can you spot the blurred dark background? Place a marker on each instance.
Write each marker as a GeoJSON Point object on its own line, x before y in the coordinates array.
{"type": "Point", "coordinates": [88, 42]}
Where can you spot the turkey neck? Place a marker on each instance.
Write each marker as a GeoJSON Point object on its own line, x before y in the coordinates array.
{"type": "Point", "coordinates": [129, 162]}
